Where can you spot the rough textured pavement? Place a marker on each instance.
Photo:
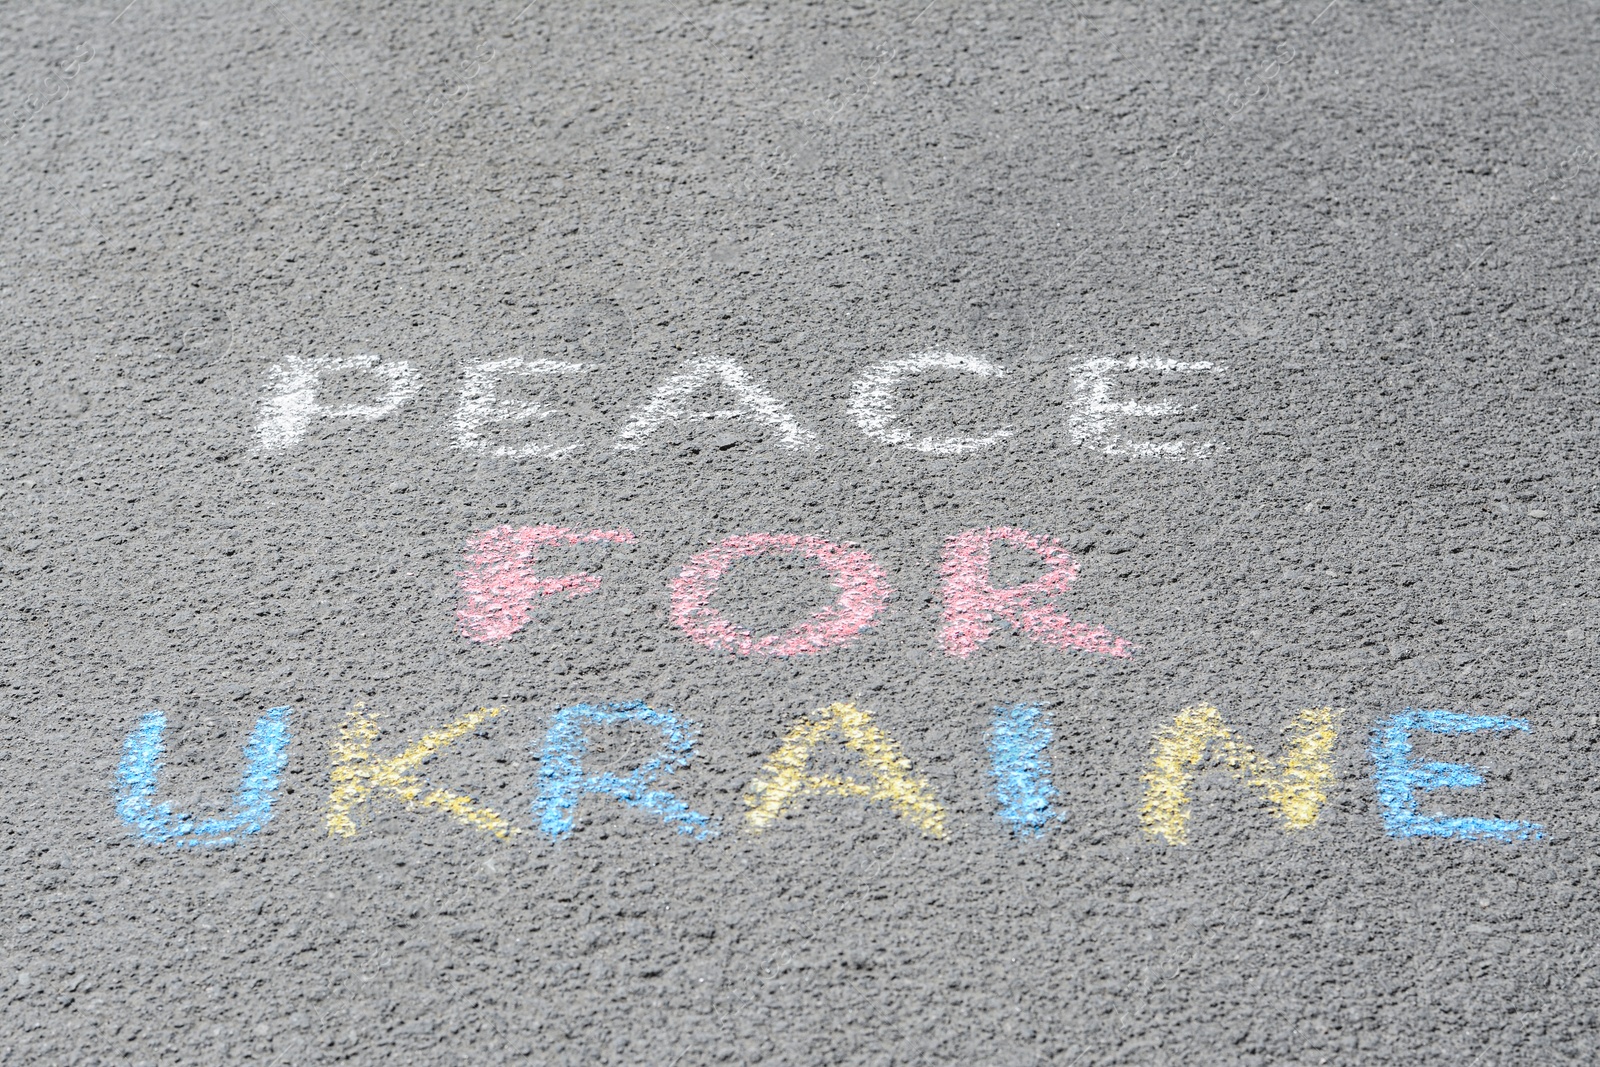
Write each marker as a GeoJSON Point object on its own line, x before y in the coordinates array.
{"type": "Point", "coordinates": [1373, 223]}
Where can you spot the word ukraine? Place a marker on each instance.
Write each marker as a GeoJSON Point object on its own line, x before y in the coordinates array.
{"type": "Point", "coordinates": [1026, 798]}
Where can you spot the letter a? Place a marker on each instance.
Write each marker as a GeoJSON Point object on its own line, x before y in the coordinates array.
{"type": "Point", "coordinates": [670, 402]}
{"type": "Point", "coordinates": [1296, 792]}
{"type": "Point", "coordinates": [784, 777]}
{"type": "Point", "coordinates": [356, 775]}
{"type": "Point", "coordinates": [265, 756]}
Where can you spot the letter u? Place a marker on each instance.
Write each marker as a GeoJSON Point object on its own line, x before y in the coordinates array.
{"type": "Point", "coordinates": [265, 755]}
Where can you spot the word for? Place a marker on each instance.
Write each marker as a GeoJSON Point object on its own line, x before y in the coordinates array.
{"type": "Point", "coordinates": [1020, 734]}
{"type": "Point", "coordinates": [489, 420]}
{"type": "Point", "coordinates": [501, 583]}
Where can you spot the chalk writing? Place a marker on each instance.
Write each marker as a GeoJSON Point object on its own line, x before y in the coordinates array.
{"type": "Point", "coordinates": [499, 583]}
{"type": "Point", "coordinates": [786, 774]}
{"type": "Point", "coordinates": [289, 411]}
{"type": "Point", "coordinates": [265, 756]}
{"type": "Point", "coordinates": [1021, 768]}
{"type": "Point", "coordinates": [971, 600]}
{"type": "Point", "coordinates": [562, 781]}
{"type": "Point", "coordinates": [863, 591]}
{"type": "Point", "coordinates": [1098, 421]}
{"type": "Point", "coordinates": [872, 402]}
{"type": "Point", "coordinates": [1399, 780]}
{"type": "Point", "coordinates": [1296, 791]}
{"type": "Point", "coordinates": [357, 776]}
{"type": "Point", "coordinates": [670, 402]}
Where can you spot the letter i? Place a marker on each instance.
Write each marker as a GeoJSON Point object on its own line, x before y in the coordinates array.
{"type": "Point", "coordinates": [1021, 769]}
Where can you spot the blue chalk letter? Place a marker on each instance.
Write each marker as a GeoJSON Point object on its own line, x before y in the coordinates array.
{"type": "Point", "coordinates": [1399, 780]}
{"type": "Point", "coordinates": [265, 757]}
{"type": "Point", "coordinates": [1021, 769]}
{"type": "Point", "coordinates": [562, 781]}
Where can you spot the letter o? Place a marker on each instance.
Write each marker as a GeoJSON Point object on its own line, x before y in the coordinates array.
{"type": "Point", "coordinates": [863, 591]}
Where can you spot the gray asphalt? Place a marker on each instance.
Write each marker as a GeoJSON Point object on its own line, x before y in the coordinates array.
{"type": "Point", "coordinates": [1374, 222]}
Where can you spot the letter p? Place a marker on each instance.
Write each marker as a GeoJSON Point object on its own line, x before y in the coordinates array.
{"type": "Point", "coordinates": [288, 413]}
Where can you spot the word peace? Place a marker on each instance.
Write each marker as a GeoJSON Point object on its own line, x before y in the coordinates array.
{"type": "Point", "coordinates": [501, 583]}
{"type": "Point", "coordinates": [486, 419]}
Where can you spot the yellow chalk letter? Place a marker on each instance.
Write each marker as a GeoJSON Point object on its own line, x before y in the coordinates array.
{"type": "Point", "coordinates": [784, 776]}
{"type": "Point", "coordinates": [356, 775]}
{"type": "Point", "coordinates": [1296, 790]}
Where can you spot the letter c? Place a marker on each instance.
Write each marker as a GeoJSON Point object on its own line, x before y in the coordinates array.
{"type": "Point", "coordinates": [872, 404]}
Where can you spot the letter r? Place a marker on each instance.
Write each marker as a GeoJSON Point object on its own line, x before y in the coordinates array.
{"type": "Point", "coordinates": [563, 781]}
{"type": "Point", "coordinates": [971, 601]}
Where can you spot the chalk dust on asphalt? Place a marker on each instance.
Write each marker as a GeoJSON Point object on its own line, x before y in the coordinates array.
{"type": "Point", "coordinates": [686, 533]}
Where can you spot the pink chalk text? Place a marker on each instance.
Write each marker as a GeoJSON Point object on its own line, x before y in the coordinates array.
{"type": "Point", "coordinates": [971, 601]}
{"type": "Point", "coordinates": [500, 583]}
{"type": "Point", "coordinates": [863, 591]}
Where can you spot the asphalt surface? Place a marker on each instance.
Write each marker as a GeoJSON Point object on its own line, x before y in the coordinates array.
{"type": "Point", "coordinates": [1372, 224]}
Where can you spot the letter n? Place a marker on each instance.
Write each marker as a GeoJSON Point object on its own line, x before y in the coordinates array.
{"type": "Point", "coordinates": [1296, 789]}
{"type": "Point", "coordinates": [265, 756]}
{"type": "Point", "coordinates": [787, 773]}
